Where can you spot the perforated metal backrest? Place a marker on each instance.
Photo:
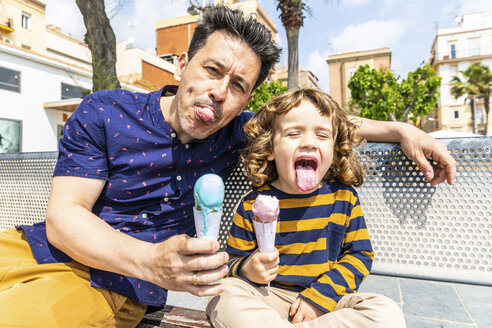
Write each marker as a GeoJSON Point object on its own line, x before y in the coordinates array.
{"type": "Point", "coordinates": [440, 233]}
{"type": "Point", "coordinates": [25, 182]}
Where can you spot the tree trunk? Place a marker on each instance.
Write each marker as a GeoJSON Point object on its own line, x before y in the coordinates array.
{"type": "Point", "coordinates": [486, 103]}
{"type": "Point", "coordinates": [293, 46]}
{"type": "Point", "coordinates": [102, 43]}
{"type": "Point", "coordinates": [474, 114]}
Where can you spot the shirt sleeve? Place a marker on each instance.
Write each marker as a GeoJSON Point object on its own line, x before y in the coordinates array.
{"type": "Point", "coordinates": [82, 149]}
{"type": "Point", "coordinates": [351, 267]}
{"type": "Point", "coordinates": [241, 242]}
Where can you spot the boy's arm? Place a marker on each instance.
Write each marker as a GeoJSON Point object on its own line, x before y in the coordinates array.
{"type": "Point", "coordinates": [241, 242]}
{"type": "Point", "coordinates": [350, 269]}
{"type": "Point", "coordinates": [245, 260]}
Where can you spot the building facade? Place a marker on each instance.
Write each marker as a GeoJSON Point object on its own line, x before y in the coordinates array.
{"type": "Point", "coordinates": [306, 78]}
{"type": "Point", "coordinates": [343, 66]}
{"type": "Point", "coordinates": [45, 73]}
{"type": "Point", "coordinates": [173, 35]}
{"type": "Point", "coordinates": [454, 50]}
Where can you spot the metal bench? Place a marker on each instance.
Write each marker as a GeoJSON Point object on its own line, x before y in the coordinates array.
{"type": "Point", "coordinates": [438, 233]}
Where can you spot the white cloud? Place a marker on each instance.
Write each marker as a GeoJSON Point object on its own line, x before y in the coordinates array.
{"type": "Point", "coordinates": [317, 64]}
{"type": "Point", "coordinates": [144, 14]}
{"type": "Point", "coordinates": [473, 6]}
{"type": "Point", "coordinates": [369, 35]}
{"type": "Point", "coordinates": [72, 24]}
{"type": "Point", "coordinates": [355, 2]}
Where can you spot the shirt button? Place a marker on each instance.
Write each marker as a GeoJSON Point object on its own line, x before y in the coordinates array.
{"type": "Point", "coordinates": [166, 199]}
{"type": "Point", "coordinates": [178, 178]}
{"type": "Point", "coordinates": [187, 146]}
{"type": "Point", "coordinates": [173, 135]}
{"type": "Point", "coordinates": [144, 215]}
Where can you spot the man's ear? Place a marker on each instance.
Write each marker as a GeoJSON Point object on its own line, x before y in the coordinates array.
{"type": "Point", "coordinates": [181, 65]}
{"type": "Point", "coordinates": [270, 157]}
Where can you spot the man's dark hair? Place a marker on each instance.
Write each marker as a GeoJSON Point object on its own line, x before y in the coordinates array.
{"type": "Point", "coordinates": [247, 29]}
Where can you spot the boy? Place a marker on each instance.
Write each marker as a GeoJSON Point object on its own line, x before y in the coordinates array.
{"type": "Point", "coordinates": [301, 151]}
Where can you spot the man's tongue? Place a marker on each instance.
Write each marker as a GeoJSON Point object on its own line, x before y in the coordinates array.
{"type": "Point", "coordinates": [205, 114]}
{"type": "Point", "coordinates": [306, 177]}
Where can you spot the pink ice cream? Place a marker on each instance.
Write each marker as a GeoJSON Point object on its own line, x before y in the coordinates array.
{"type": "Point", "coordinates": [265, 210]}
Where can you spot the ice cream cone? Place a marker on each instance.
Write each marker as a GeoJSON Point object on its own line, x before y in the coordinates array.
{"type": "Point", "coordinates": [265, 234]}
{"type": "Point", "coordinates": [212, 221]}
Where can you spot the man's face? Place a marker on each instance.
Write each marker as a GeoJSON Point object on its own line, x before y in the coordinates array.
{"type": "Point", "coordinates": [302, 148]}
{"type": "Point", "coordinates": [215, 85]}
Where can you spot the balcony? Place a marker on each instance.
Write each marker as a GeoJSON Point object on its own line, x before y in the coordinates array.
{"type": "Point", "coordinates": [6, 24]}
{"type": "Point", "coordinates": [463, 53]}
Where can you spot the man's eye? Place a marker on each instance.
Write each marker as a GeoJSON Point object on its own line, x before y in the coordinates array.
{"type": "Point", "coordinates": [212, 70]}
{"type": "Point", "coordinates": [238, 86]}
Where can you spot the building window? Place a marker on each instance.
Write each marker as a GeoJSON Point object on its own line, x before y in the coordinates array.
{"type": "Point", "coordinates": [475, 47]}
{"type": "Point", "coordinates": [10, 136]}
{"type": "Point", "coordinates": [479, 115]}
{"type": "Point", "coordinates": [10, 79]}
{"type": "Point", "coordinates": [456, 114]}
{"type": "Point", "coordinates": [72, 91]}
{"type": "Point", "coordinates": [26, 21]}
{"type": "Point", "coordinates": [453, 50]}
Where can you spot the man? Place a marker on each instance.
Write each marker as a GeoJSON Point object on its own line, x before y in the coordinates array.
{"type": "Point", "coordinates": [119, 217]}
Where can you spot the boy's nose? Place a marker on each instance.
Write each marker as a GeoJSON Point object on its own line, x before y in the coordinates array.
{"type": "Point", "coordinates": [308, 141]}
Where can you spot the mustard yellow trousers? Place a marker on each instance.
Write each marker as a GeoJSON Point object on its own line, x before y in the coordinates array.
{"type": "Point", "coordinates": [56, 294]}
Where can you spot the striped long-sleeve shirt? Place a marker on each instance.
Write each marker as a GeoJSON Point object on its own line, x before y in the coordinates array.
{"type": "Point", "coordinates": [322, 238]}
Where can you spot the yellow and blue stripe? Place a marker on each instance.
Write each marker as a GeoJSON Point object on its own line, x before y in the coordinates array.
{"type": "Point", "coordinates": [322, 238]}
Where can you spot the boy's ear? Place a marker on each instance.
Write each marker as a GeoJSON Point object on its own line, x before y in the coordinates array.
{"type": "Point", "coordinates": [181, 65]}
{"type": "Point", "coordinates": [270, 157]}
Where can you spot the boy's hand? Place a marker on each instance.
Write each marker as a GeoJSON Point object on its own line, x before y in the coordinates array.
{"type": "Point", "coordinates": [260, 268]}
{"type": "Point", "coordinates": [302, 311]}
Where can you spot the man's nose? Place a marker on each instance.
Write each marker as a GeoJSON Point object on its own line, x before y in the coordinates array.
{"type": "Point", "coordinates": [219, 89]}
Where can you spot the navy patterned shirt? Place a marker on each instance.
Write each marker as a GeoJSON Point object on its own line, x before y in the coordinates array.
{"type": "Point", "coordinates": [123, 138]}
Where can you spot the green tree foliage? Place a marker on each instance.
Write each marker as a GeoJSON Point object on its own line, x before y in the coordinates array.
{"type": "Point", "coordinates": [476, 84]}
{"type": "Point", "coordinates": [381, 96]}
{"type": "Point", "coordinates": [263, 93]}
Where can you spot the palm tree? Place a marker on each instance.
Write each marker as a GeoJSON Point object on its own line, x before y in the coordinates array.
{"type": "Point", "coordinates": [292, 16]}
{"type": "Point", "coordinates": [477, 84]}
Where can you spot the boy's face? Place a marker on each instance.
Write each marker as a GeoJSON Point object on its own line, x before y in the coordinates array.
{"type": "Point", "coordinates": [302, 148]}
{"type": "Point", "coordinates": [215, 85]}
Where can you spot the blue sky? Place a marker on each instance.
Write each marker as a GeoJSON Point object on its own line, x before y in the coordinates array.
{"type": "Point", "coordinates": [407, 27]}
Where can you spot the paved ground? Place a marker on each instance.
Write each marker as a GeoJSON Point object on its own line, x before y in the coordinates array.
{"type": "Point", "coordinates": [426, 304]}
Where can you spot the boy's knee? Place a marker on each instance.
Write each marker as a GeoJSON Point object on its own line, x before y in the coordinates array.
{"type": "Point", "coordinates": [385, 311]}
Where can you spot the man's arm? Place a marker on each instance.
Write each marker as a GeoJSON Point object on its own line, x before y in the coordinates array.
{"type": "Point", "coordinates": [75, 230]}
{"type": "Point", "coordinates": [416, 144]}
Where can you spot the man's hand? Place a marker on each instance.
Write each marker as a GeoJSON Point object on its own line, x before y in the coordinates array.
{"type": "Point", "coordinates": [302, 311]}
{"type": "Point", "coordinates": [175, 261]}
{"type": "Point", "coordinates": [419, 146]}
{"type": "Point", "coordinates": [261, 268]}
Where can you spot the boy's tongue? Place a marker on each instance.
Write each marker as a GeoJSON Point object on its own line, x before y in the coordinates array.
{"type": "Point", "coordinates": [306, 177]}
{"type": "Point", "coordinates": [205, 114]}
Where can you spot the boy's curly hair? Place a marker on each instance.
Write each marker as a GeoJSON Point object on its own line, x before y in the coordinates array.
{"type": "Point", "coordinates": [346, 167]}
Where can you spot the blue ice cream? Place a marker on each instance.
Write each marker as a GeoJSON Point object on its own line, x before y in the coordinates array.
{"type": "Point", "coordinates": [209, 196]}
